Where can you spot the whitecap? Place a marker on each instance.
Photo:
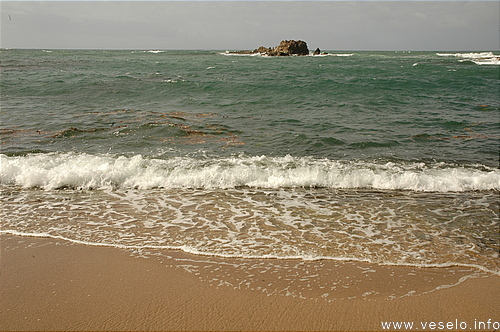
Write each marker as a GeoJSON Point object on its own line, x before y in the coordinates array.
{"type": "Point", "coordinates": [482, 58]}
{"type": "Point", "coordinates": [341, 54]}
{"type": "Point", "coordinates": [84, 171]}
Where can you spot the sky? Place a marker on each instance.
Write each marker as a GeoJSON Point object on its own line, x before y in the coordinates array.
{"type": "Point", "coordinates": [237, 25]}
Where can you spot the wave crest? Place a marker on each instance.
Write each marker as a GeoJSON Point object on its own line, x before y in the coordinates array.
{"type": "Point", "coordinates": [84, 171]}
{"type": "Point", "coordinates": [484, 58]}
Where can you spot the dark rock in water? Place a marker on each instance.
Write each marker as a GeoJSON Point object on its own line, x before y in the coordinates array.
{"type": "Point", "coordinates": [285, 48]}
{"type": "Point", "coordinates": [291, 47]}
{"type": "Point", "coordinates": [317, 52]}
{"type": "Point", "coordinates": [242, 52]}
{"type": "Point", "coordinates": [262, 50]}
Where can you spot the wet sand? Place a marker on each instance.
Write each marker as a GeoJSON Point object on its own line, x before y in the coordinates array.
{"type": "Point", "coordinates": [48, 284]}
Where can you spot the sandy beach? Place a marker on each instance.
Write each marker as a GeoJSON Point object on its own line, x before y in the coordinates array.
{"type": "Point", "coordinates": [48, 284]}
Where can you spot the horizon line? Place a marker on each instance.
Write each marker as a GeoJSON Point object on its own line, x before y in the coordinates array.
{"type": "Point", "coordinates": [225, 49]}
{"type": "Point", "coordinates": [250, 0]}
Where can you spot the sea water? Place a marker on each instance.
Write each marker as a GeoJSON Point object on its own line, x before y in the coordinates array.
{"type": "Point", "coordinates": [381, 157]}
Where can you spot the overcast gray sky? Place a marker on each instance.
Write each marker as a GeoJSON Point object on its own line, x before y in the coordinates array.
{"type": "Point", "coordinates": [228, 25]}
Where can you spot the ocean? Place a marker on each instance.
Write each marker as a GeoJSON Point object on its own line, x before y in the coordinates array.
{"type": "Point", "coordinates": [389, 158]}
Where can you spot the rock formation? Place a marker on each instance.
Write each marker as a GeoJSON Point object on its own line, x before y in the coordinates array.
{"type": "Point", "coordinates": [291, 47]}
{"type": "Point", "coordinates": [262, 50]}
{"type": "Point", "coordinates": [285, 48]}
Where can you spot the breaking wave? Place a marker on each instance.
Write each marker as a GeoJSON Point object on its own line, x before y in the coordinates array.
{"type": "Point", "coordinates": [483, 58]}
{"type": "Point", "coordinates": [84, 171]}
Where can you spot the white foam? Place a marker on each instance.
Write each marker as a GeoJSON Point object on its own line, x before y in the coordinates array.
{"type": "Point", "coordinates": [487, 61]}
{"type": "Point", "coordinates": [331, 54]}
{"type": "Point", "coordinates": [194, 251]}
{"type": "Point", "coordinates": [228, 53]}
{"type": "Point", "coordinates": [340, 54]}
{"type": "Point", "coordinates": [468, 55]}
{"type": "Point", "coordinates": [84, 171]}
{"type": "Point", "coordinates": [483, 58]}
{"type": "Point", "coordinates": [397, 228]}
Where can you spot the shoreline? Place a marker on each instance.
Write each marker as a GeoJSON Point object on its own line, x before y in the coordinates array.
{"type": "Point", "coordinates": [49, 284]}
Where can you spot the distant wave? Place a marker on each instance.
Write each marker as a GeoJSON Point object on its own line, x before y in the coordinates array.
{"type": "Point", "coordinates": [228, 53]}
{"type": "Point", "coordinates": [483, 58]}
{"type": "Point", "coordinates": [468, 55]}
{"type": "Point", "coordinates": [340, 54]}
{"type": "Point", "coordinates": [84, 171]}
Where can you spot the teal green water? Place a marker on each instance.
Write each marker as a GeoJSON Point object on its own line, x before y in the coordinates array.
{"type": "Point", "coordinates": [384, 157]}
{"type": "Point", "coordinates": [403, 106]}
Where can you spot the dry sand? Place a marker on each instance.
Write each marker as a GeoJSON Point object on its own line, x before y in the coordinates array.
{"type": "Point", "coordinates": [48, 284]}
